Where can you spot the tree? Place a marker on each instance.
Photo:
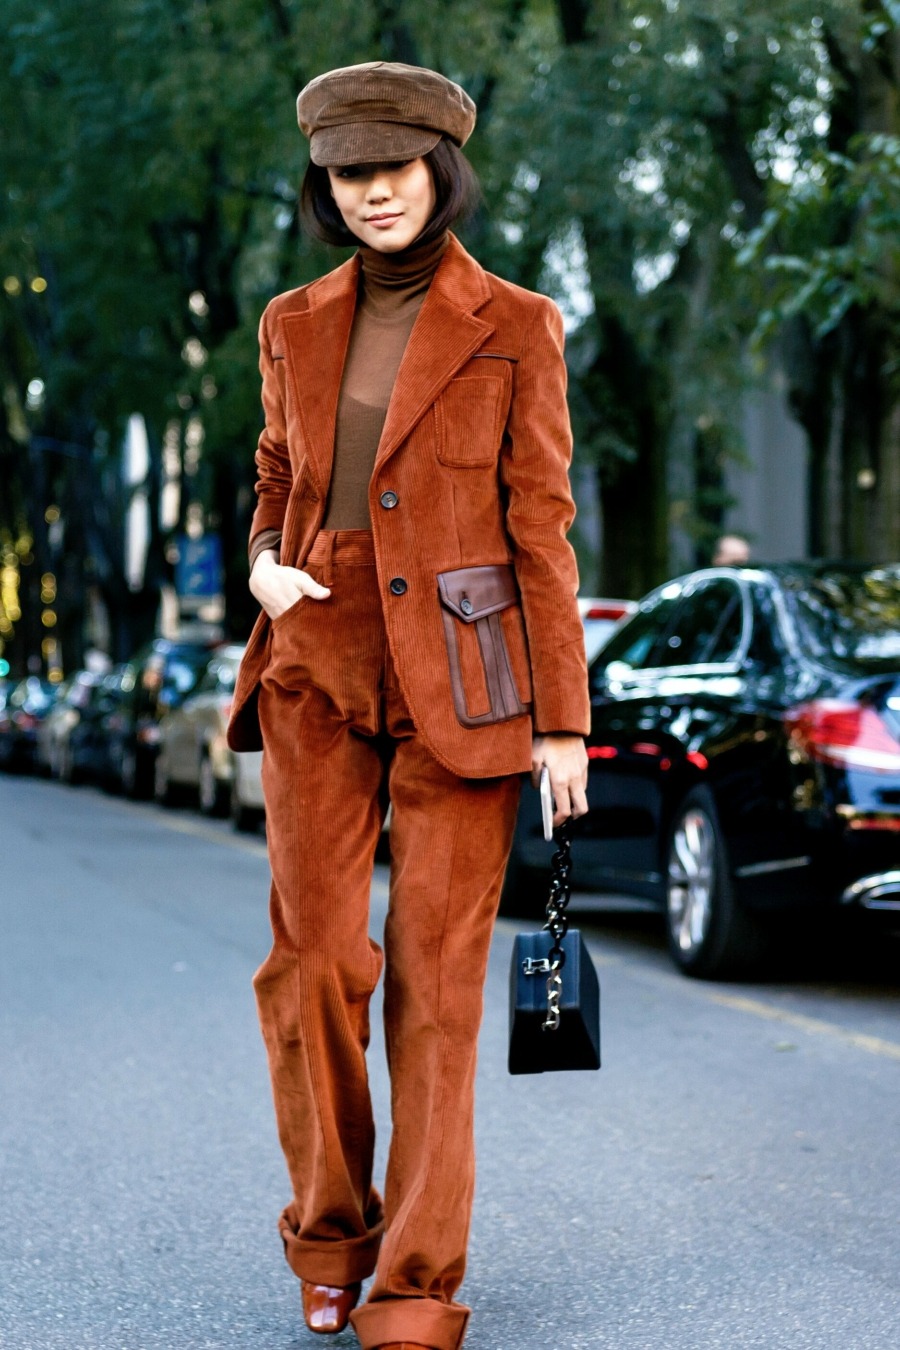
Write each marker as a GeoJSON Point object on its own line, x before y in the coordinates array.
{"type": "Point", "coordinates": [646, 140]}
{"type": "Point", "coordinates": [667, 171]}
{"type": "Point", "coordinates": [826, 260]}
{"type": "Point", "coordinates": [156, 191]}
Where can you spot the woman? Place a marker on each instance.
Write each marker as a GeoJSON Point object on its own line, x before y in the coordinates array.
{"type": "Point", "coordinates": [419, 641]}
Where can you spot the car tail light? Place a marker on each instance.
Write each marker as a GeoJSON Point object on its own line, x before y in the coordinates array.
{"type": "Point", "coordinates": [606, 611]}
{"type": "Point", "coordinates": [848, 734]}
{"type": "Point", "coordinates": [602, 752]}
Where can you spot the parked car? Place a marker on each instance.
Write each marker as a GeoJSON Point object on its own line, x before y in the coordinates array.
{"type": "Point", "coordinates": [193, 758]}
{"type": "Point", "coordinates": [599, 618]}
{"type": "Point", "coordinates": [247, 806]}
{"type": "Point", "coordinates": [744, 758]}
{"type": "Point", "coordinates": [53, 751]}
{"type": "Point", "coordinates": [87, 750]}
{"type": "Point", "coordinates": [24, 708]}
{"type": "Point", "coordinates": [158, 679]}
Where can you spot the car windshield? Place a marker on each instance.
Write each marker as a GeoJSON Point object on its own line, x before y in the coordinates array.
{"type": "Point", "coordinates": [853, 617]}
{"type": "Point", "coordinates": [183, 670]}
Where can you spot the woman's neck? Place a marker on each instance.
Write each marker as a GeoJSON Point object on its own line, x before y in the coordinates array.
{"type": "Point", "coordinates": [391, 281]}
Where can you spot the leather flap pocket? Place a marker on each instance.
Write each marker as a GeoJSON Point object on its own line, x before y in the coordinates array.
{"type": "Point", "coordinates": [475, 592]}
{"type": "Point", "coordinates": [477, 604]}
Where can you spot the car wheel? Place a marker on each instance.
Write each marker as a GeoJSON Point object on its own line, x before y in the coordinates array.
{"type": "Point", "coordinates": [244, 818]}
{"type": "Point", "coordinates": [213, 795]}
{"type": "Point", "coordinates": [710, 933]}
{"type": "Point", "coordinates": [65, 764]}
{"type": "Point", "coordinates": [128, 772]}
{"type": "Point", "coordinates": [163, 791]}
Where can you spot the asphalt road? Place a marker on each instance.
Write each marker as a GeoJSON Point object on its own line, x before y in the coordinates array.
{"type": "Point", "coordinates": [729, 1179]}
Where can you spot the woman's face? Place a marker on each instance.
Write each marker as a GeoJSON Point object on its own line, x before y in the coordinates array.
{"type": "Point", "coordinates": [386, 206]}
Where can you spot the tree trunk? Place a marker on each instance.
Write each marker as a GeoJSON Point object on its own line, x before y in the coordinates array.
{"type": "Point", "coordinates": [851, 415]}
{"type": "Point", "coordinates": [633, 506]}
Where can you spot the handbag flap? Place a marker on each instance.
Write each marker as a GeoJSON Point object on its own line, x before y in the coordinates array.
{"type": "Point", "coordinates": [474, 592]}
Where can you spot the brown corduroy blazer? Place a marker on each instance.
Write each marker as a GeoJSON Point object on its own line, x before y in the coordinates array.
{"type": "Point", "coordinates": [475, 449]}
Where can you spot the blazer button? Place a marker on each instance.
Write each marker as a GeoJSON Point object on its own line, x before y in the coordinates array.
{"type": "Point", "coordinates": [398, 586]}
{"type": "Point", "coordinates": [389, 500]}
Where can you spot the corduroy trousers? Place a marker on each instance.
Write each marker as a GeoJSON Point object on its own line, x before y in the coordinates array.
{"type": "Point", "coordinates": [339, 741]}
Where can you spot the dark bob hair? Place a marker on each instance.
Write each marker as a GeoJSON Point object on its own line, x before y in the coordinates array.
{"type": "Point", "coordinates": [456, 187]}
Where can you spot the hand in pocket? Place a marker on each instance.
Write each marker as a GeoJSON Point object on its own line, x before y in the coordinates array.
{"type": "Point", "coordinates": [279, 588]}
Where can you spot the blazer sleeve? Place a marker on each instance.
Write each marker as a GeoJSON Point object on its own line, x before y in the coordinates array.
{"type": "Point", "coordinates": [273, 466]}
{"type": "Point", "coordinates": [534, 469]}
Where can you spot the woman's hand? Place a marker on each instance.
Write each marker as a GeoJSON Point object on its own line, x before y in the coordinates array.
{"type": "Point", "coordinates": [567, 762]}
{"type": "Point", "coordinates": [277, 588]}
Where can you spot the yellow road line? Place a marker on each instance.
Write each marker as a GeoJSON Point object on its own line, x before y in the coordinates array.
{"type": "Point", "coordinates": [211, 835]}
{"type": "Point", "coordinates": [753, 1007]}
{"type": "Point", "coordinates": [813, 1026]}
{"type": "Point", "coordinates": [196, 828]}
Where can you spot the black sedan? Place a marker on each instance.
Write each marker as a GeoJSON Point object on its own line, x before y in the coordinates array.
{"type": "Point", "coordinates": [744, 758]}
{"type": "Point", "coordinates": [159, 677]}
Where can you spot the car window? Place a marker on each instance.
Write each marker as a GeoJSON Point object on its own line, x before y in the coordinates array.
{"type": "Point", "coordinates": [708, 627]}
{"type": "Point", "coordinates": [633, 646]}
{"type": "Point", "coordinates": [182, 674]}
{"type": "Point", "coordinates": [210, 680]}
{"type": "Point", "coordinates": [849, 616]}
{"type": "Point", "coordinates": [766, 643]}
{"type": "Point", "coordinates": [218, 678]}
{"type": "Point", "coordinates": [225, 677]}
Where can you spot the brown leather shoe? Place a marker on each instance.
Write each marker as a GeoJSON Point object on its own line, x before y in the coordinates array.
{"type": "Point", "coordinates": [326, 1308]}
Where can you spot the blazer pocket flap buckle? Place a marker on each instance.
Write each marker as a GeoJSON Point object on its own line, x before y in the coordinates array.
{"type": "Point", "coordinates": [473, 593]}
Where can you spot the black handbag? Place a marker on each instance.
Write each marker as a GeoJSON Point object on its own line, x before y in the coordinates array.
{"type": "Point", "coordinates": [554, 997]}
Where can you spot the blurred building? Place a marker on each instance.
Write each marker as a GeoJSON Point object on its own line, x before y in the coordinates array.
{"type": "Point", "coordinates": [770, 489]}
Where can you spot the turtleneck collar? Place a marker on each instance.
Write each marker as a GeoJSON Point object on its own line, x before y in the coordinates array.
{"type": "Point", "coordinates": [390, 281]}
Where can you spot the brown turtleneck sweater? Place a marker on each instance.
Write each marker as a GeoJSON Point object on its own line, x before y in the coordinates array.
{"type": "Point", "coordinates": [392, 289]}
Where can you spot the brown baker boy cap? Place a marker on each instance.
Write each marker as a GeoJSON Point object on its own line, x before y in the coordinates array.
{"type": "Point", "coordinates": [380, 112]}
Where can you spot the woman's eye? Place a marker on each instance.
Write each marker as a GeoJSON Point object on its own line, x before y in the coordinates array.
{"type": "Point", "coordinates": [352, 171]}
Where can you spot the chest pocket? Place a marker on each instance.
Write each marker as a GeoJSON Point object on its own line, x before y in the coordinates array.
{"type": "Point", "coordinates": [471, 414]}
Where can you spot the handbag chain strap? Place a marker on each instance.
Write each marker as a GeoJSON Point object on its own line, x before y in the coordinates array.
{"type": "Point", "coordinates": [557, 924]}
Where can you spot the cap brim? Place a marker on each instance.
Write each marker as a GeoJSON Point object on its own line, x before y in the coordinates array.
{"type": "Point", "coordinates": [369, 143]}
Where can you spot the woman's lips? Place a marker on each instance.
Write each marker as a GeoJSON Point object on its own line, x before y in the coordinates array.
{"type": "Point", "coordinates": [382, 222]}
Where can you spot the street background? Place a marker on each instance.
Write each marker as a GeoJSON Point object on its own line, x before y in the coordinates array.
{"type": "Point", "coordinates": [728, 1179]}
{"type": "Point", "coordinates": [710, 193]}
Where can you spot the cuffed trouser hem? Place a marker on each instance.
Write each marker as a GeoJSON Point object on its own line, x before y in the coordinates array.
{"type": "Point", "coordinates": [336, 1263]}
{"type": "Point", "coordinates": [421, 1321]}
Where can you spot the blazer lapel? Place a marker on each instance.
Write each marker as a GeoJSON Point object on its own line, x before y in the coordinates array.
{"type": "Point", "coordinates": [444, 336]}
{"type": "Point", "coordinates": [315, 345]}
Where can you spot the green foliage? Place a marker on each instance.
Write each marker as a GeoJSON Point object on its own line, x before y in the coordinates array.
{"type": "Point", "coordinates": [854, 198]}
